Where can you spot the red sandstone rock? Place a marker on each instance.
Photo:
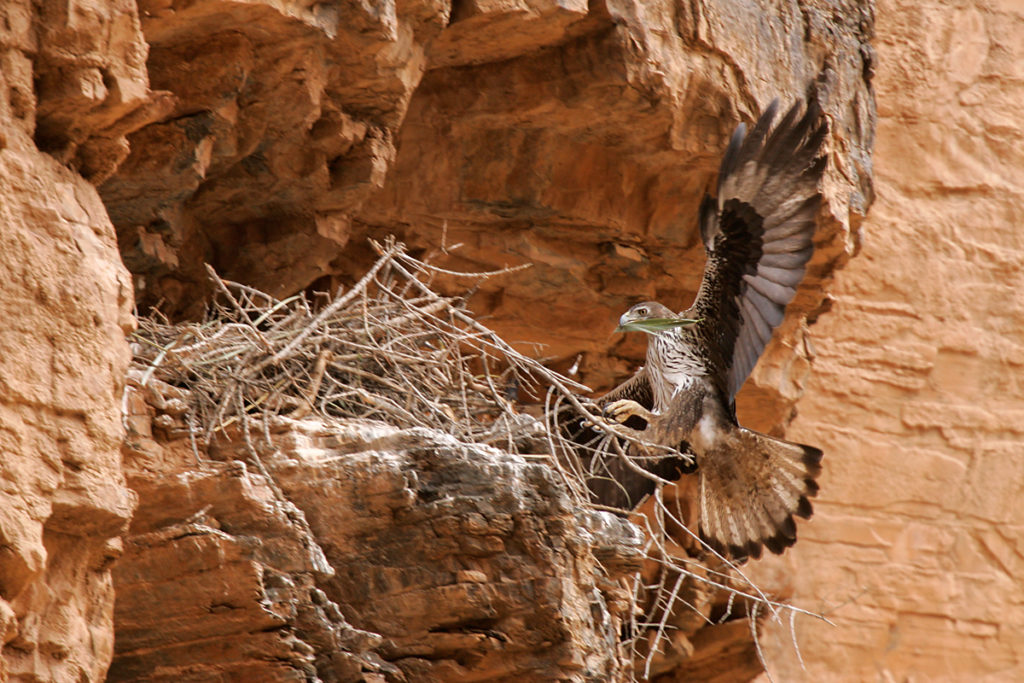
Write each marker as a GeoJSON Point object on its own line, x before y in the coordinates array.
{"type": "Point", "coordinates": [65, 302]}
{"type": "Point", "coordinates": [270, 138]}
{"type": "Point", "coordinates": [457, 563]}
{"type": "Point", "coordinates": [915, 389]}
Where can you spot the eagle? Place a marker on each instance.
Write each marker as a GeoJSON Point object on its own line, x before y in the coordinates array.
{"type": "Point", "coordinates": [757, 234]}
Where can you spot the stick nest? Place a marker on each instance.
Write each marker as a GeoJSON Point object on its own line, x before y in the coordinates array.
{"type": "Point", "coordinates": [389, 348]}
{"type": "Point", "coordinates": [392, 349]}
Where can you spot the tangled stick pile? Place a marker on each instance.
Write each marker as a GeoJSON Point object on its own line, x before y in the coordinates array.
{"type": "Point", "coordinates": [389, 349]}
{"type": "Point", "coordinates": [392, 349]}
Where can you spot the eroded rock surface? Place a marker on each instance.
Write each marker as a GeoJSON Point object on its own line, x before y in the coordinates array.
{"type": "Point", "coordinates": [269, 139]}
{"type": "Point", "coordinates": [575, 135]}
{"type": "Point", "coordinates": [512, 129]}
{"type": "Point", "coordinates": [284, 122]}
{"type": "Point", "coordinates": [371, 553]}
{"type": "Point", "coordinates": [915, 551]}
{"type": "Point", "coordinates": [65, 303]}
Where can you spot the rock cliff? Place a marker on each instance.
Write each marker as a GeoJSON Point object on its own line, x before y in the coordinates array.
{"type": "Point", "coordinates": [270, 139]}
{"type": "Point", "coordinates": [456, 562]}
{"type": "Point", "coordinates": [66, 303]}
{"type": "Point", "coordinates": [916, 385]}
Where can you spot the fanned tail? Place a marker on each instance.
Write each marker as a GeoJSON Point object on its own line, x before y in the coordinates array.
{"type": "Point", "coordinates": [751, 490]}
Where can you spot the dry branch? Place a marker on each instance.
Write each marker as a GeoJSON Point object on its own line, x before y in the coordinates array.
{"type": "Point", "coordinates": [390, 348]}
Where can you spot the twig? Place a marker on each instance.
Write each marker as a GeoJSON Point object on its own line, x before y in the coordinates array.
{"type": "Point", "coordinates": [234, 302]}
{"type": "Point", "coordinates": [393, 349]}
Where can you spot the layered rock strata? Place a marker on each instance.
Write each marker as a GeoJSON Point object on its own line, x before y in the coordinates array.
{"type": "Point", "coordinates": [270, 138]}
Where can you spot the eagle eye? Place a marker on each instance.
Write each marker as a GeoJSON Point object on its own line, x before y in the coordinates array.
{"type": "Point", "coordinates": [642, 310]}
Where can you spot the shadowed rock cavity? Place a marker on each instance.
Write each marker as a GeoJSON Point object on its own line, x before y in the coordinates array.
{"type": "Point", "coordinates": [578, 137]}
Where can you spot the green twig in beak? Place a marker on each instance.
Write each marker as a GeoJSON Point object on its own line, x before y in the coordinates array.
{"type": "Point", "coordinates": [655, 325]}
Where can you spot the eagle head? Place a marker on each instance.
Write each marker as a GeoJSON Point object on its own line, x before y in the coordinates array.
{"type": "Point", "coordinates": [652, 318]}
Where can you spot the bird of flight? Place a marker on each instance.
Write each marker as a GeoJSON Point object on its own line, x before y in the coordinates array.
{"type": "Point", "coordinates": [757, 234]}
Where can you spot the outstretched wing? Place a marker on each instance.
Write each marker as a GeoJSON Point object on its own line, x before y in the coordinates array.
{"type": "Point", "coordinates": [609, 480]}
{"type": "Point", "coordinates": [636, 388]}
{"type": "Point", "coordinates": [758, 234]}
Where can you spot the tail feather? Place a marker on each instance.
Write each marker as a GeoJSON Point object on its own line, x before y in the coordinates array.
{"type": "Point", "coordinates": [750, 490]}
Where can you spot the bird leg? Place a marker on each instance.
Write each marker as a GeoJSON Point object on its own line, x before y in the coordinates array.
{"type": "Point", "coordinates": [623, 409]}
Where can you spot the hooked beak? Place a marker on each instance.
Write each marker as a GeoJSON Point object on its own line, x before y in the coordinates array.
{"type": "Point", "coordinates": [655, 325]}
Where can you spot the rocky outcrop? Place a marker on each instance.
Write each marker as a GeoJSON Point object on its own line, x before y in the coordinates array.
{"type": "Point", "coordinates": [296, 132]}
{"type": "Point", "coordinates": [65, 303]}
{"type": "Point", "coordinates": [596, 125]}
{"type": "Point", "coordinates": [457, 562]}
{"type": "Point", "coordinates": [269, 139]}
{"type": "Point", "coordinates": [915, 549]}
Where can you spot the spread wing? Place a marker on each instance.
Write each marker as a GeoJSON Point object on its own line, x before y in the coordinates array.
{"type": "Point", "coordinates": [636, 388]}
{"type": "Point", "coordinates": [609, 480]}
{"type": "Point", "coordinates": [758, 234]}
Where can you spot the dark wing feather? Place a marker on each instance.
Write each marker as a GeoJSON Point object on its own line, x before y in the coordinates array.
{"type": "Point", "coordinates": [636, 388]}
{"type": "Point", "coordinates": [610, 481]}
{"type": "Point", "coordinates": [758, 234]}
